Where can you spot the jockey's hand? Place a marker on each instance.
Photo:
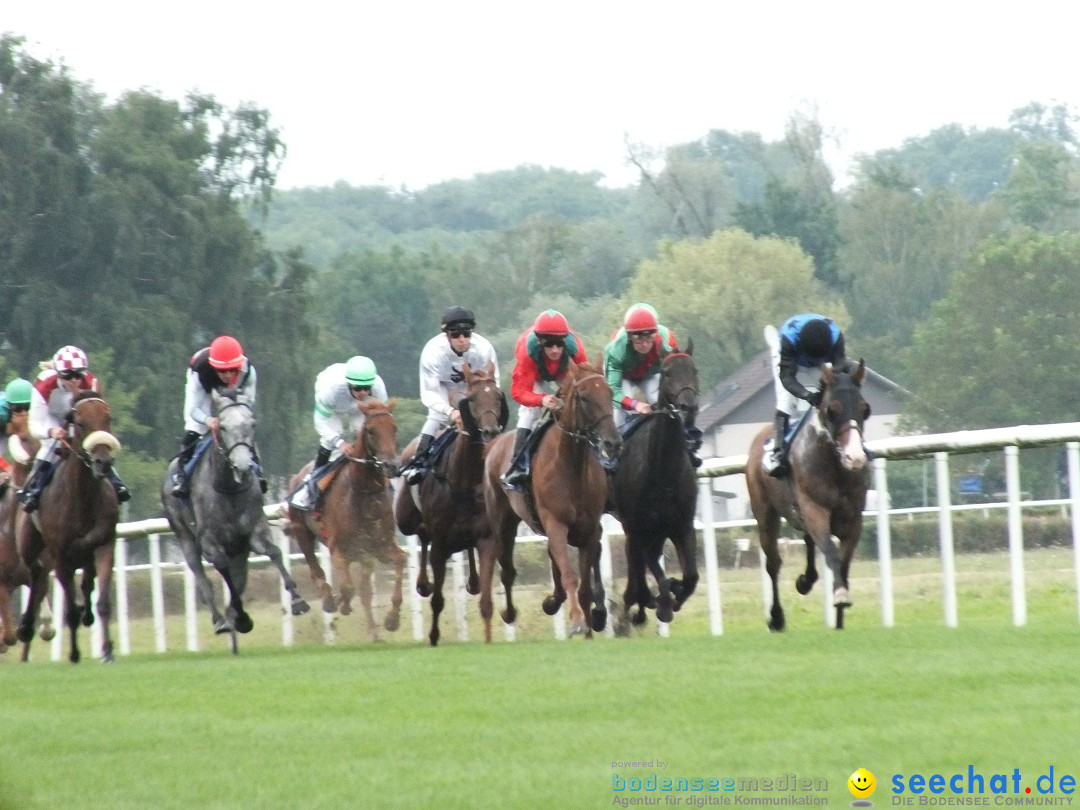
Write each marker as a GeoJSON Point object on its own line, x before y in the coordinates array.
{"type": "Point", "coordinates": [57, 433]}
{"type": "Point", "coordinates": [642, 407]}
{"type": "Point", "coordinates": [814, 398]}
{"type": "Point", "coordinates": [551, 402]}
{"type": "Point", "coordinates": [213, 423]}
{"type": "Point", "coordinates": [455, 417]}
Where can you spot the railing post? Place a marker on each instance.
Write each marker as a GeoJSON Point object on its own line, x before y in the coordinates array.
{"type": "Point", "coordinates": [884, 542]}
{"type": "Point", "coordinates": [948, 564]}
{"type": "Point", "coordinates": [1016, 535]}
{"type": "Point", "coordinates": [123, 624]}
{"type": "Point", "coordinates": [157, 597]}
{"type": "Point", "coordinates": [1072, 452]}
{"type": "Point", "coordinates": [712, 567]}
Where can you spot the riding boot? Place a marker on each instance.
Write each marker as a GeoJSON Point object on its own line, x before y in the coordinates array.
{"type": "Point", "coordinates": [187, 448]}
{"type": "Point", "coordinates": [263, 486]}
{"type": "Point", "coordinates": [417, 465]}
{"type": "Point", "coordinates": [30, 494]}
{"type": "Point", "coordinates": [123, 495]}
{"type": "Point", "coordinates": [517, 473]}
{"type": "Point", "coordinates": [692, 436]}
{"type": "Point", "coordinates": [307, 493]}
{"type": "Point", "coordinates": [777, 466]}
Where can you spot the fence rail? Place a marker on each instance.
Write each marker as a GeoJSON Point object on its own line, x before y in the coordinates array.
{"type": "Point", "coordinates": [939, 446]}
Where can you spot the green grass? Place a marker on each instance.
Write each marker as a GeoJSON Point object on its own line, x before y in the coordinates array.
{"type": "Point", "coordinates": [538, 723]}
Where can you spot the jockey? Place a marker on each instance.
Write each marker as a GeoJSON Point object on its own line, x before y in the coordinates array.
{"type": "Point", "coordinates": [339, 390]}
{"type": "Point", "coordinates": [806, 341]}
{"type": "Point", "coordinates": [14, 408]}
{"type": "Point", "coordinates": [50, 408]}
{"type": "Point", "coordinates": [543, 354]}
{"type": "Point", "coordinates": [632, 366]}
{"type": "Point", "coordinates": [442, 381]}
{"type": "Point", "coordinates": [219, 366]}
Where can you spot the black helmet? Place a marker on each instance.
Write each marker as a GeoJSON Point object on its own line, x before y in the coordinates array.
{"type": "Point", "coordinates": [815, 339]}
{"type": "Point", "coordinates": [458, 318]}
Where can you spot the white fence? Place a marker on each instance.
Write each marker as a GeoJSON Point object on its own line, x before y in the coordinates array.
{"type": "Point", "coordinates": [1010, 440]}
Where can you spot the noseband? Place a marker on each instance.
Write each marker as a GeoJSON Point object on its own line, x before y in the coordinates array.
{"type": "Point", "coordinates": [370, 458]}
{"type": "Point", "coordinates": [590, 434]}
{"type": "Point", "coordinates": [77, 450]}
{"type": "Point", "coordinates": [227, 451]}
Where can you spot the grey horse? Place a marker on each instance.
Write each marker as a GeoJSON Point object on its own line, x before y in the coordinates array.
{"type": "Point", "coordinates": [223, 521]}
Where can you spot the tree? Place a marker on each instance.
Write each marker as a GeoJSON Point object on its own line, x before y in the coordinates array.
{"type": "Point", "coordinates": [723, 290]}
{"type": "Point", "coordinates": [999, 349]}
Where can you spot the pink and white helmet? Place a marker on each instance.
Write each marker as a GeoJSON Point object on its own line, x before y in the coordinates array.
{"type": "Point", "coordinates": [70, 358]}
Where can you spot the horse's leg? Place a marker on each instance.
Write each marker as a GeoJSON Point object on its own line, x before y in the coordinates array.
{"type": "Point", "coordinates": [472, 584]}
{"type": "Point", "coordinates": [568, 581]}
{"type": "Point", "coordinates": [39, 585]}
{"type": "Point", "coordinates": [555, 599]}
{"type": "Point", "coordinates": [504, 540]}
{"type": "Point", "coordinates": [423, 584]}
{"type": "Point", "coordinates": [768, 536]}
{"type": "Point", "coordinates": [805, 581]}
{"type": "Point", "coordinates": [237, 574]}
{"type": "Point", "coordinates": [438, 570]}
{"type": "Point", "coordinates": [305, 541]}
{"type": "Point", "coordinates": [367, 571]}
{"type": "Point", "coordinates": [819, 528]}
{"type": "Point", "coordinates": [847, 552]}
{"type": "Point", "coordinates": [664, 601]}
{"type": "Point", "coordinates": [598, 614]}
{"type": "Point", "coordinates": [685, 542]}
{"type": "Point", "coordinates": [263, 543]}
{"type": "Point", "coordinates": [104, 556]}
{"type": "Point", "coordinates": [86, 609]}
{"type": "Point", "coordinates": [636, 589]}
{"type": "Point", "coordinates": [72, 611]}
{"type": "Point", "coordinates": [486, 547]}
{"type": "Point", "coordinates": [346, 588]}
{"type": "Point", "coordinates": [7, 618]}
{"type": "Point", "coordinates": [193, 558]}
{"type": "Point", "coordinates": [393, 554]}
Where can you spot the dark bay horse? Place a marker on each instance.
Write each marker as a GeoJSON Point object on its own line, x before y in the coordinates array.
{"type": "Point", "coordinates": [355, 519]}
{"type": "Point", "coordinates": [824, 494]}
{"type": "Point", "coordinates": [565, 500]}
{"type": "Point", "coordinates": [654, 492]}
{"type": "Point", "coordinates": [446, 510]}
{"type": "Point", "coordinates": [223, 521]}
{"type": "Point", "coordinates": [75, 527]}
{"type": "Point", "coordinates": [13, 573]}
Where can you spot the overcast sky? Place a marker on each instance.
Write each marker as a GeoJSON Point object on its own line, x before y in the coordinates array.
{"type": "Point", "coordinates": [407, 93]}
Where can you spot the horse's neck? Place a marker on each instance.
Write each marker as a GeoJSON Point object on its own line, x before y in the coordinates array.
{"type": "Point", "coordinates": [665, 440]}
{"type": "Point", "coordinates": [569, 447]}
{"type": "Point", "coordinates": [465, 462]}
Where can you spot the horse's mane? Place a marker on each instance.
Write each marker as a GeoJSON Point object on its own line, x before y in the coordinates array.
{"type": "Point", "coordinates": [372, 405]}
{"type": "Point", "coordinates": [86, 393]}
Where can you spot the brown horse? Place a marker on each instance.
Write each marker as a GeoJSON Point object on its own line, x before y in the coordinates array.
{"type": "Point", "coordinates": [355, 519]}
{"type": "Point", "coordinates": [824, 494]}
{"type": "Point", "coordinates": [75, 527]}
{"type": "Point", "coordinates": [13, 573]}
{"type": "Point", "coordinates": [446, 510]}
{"type": "Point", "coordinates": [566, 498]}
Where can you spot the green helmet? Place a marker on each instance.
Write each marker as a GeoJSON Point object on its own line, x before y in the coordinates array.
{"type": "Point", "coordinates": [360, 370]}
{"type": "Point", "coordinates": [18, 391]}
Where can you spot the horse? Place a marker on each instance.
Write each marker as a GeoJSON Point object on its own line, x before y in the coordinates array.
{"type": "Point", "coordinates": [223, 520]}
{"type": "Point", "coordinates": [74, 527]}
{"type": "Point", "coordinates": [446, 510]}
{"type": "Point", "coordinates": [824, 494]}
{"type": "Point", "coordinates": [654, 492]}
{"type": "Point", "coordinates": [13, 574]}
{"type": "Point", "coordinates": [355, 519]}
{"type": "Point", "coordinates": [565, 499]}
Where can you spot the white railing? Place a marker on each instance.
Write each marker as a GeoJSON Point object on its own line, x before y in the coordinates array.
{"type": "Point", "coordinates": [940, 446]}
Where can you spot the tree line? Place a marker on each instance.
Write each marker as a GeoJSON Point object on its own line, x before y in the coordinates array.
{"type": "Point", "coordinates": [140, 229]}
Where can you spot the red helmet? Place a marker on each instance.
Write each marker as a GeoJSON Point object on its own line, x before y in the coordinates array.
{"type": "Point", "coordinates": [226, 353]}
{"type": "Point", "coordinates": [640, 318]}
{"type": "Point", "coordinates": [551, 322]}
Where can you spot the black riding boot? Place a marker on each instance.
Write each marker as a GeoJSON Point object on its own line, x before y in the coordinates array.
{"type": "Point", "coordinates": [779, 465]}
{"type": "Point", "coordinates": [122, 493]}
{"type": "Point", "coordinates": [417, 465]}
{"type": "Point", "coordinates": [693, 437]}
{"type": "Point", "coordinates": [30, 494]}
{"type": "Point", "coordinates": [517, 473]}
{"type": "Point", "coordinates": [263, 486]}
{"type": "Point", "coordinates": [322, 458]}
{"type": "Point", "coordinates": [187, 447]}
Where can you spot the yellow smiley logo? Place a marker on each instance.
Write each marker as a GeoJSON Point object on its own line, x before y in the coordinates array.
{"type": "Point", "coordinates": [862, 784]}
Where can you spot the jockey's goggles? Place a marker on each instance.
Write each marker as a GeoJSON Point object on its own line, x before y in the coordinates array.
{"type": "Point", "coordinates": [18, 408]}
{"type": "Point", "coordinates": [359, 387]}
{"type": "Point", "coordinates": [459, 333]}
{"type": "Point", "coordinates": [70, 374]}
{"type": "Point", "coordinates": [551, 341]}
{"type": "Point", "coordinates": [647, 334]}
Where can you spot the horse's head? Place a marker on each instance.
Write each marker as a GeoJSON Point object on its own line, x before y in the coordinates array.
{"type": "Point", "coordinates": [235, 436]}
{"type": "Point", "coordinates": [587, 409]}
{"type": "Point", "coordinates": [90, 432]}
{"type": "Point", "coordinates": [376, 441]}
{"type": "Point", "coordinates": [843, 411]}
{"type": "Point", "coordinates": [483, 409]}
{"type": "Point", "coordinates": [679, 385]}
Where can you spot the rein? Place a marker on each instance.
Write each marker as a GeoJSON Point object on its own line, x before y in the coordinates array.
{"type": "Point", "coordinates": [370, 458]}
{"type": "Point", "coordinates": [590, 435]}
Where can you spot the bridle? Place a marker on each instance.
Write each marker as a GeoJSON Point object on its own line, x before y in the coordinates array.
{"type": "Point", "coordinates": [227, 450]}
{"type": "Point", "coordinates": [370, 458]}
{"type": "Point", "coordinates": [673, 408]}
{"type": "Point", "coordinates": [848, 395]}
{"type": "Point", "coordinates": [589, 434]}
{"type": "Point", "coordinates": [77, 449]}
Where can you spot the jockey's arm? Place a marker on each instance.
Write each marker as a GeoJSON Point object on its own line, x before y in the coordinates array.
{"type": "Point", "coordinates": [196, 404]}
{"type": "Point", "coordinates": [39, 422]}
{"type": "Point", "coordinates": [789, 370]}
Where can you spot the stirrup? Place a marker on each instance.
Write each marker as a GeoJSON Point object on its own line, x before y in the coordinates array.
{"type": "Point", "coordinates": [514, 478]}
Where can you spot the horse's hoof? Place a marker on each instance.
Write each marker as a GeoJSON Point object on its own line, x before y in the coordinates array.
{"type": "Point", "coordinates": [25, 634]}
{"type": "Point", "coordinates": [345, 609]}
{"type": "Point", "coordinates": [776, 627]}
{"type": "Point", "coordinates": [3, 647]}
{"type": "Point", "coordinates": [392, 623]}
{"type": "Point", "coordinates": [578, 628]}
{"type": "Point", "coordinates": [424, 589]}
{"type": "Point", "coordinates": [48, 632]}
{"type": "Point", "coordinates": [74, 656]}
{"type": "Point", "coordinates": [508, 616]}
{"type": "Point", "coordinates": [638, 617]}
{"type": "Point", "coordinates": [472, 586]}
{"type": "Point", "coordinates": [243, 623]}
{"type": "Point", "coordinates": [222, 627]}
{"type": "Point", "coordinates": [665, 614]}
{"type": "Point", "coordinates": [433, 639]}
{"type": "Point", "coordinates": [299, 607]}
{"type": "Point", "coordinates": [841, 598]}
{"type": "Point", "coordinates": [550, 605]}
{"type": "Point", "coordinates": [107, 658]}
{"type": "Point", "coordinates": [803, 585]}
{"type": "Point", "coordinates": [599, 620]}
{"type": "Point", "coordinates": [88, 618]}
{"type": "Point", "coordinates": [328, 605]}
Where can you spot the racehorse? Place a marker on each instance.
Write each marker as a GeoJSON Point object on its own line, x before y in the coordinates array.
{"type": "Point", "coordinates": [565, 499]}
{"type": "Point", "coordinates": [824, 494]}
{"type": "Point", "coordinates": [446, 509]}
{"type": "Point", "coordinates": [223, 520]}
{"type": "Point", "coordinates": [13, 573]}
{"type": "Point", "coordinates": [355, 519]}
{"type": "Point", "coordinates": [654, 492]}
{"type": "Point", "coordinates": [74, 527]}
